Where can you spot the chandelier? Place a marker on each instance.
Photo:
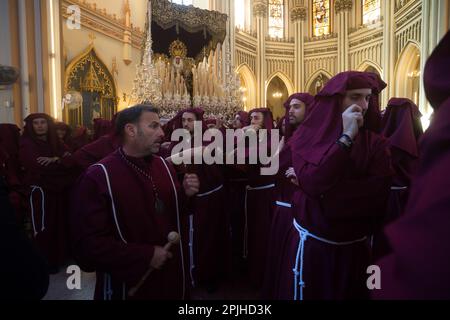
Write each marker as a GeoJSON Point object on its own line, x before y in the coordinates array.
{"type": "Point", "coordinates": [147, 85]}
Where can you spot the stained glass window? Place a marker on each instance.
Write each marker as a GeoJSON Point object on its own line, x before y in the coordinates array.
{"type": "Point", "coordinates": [371, 11]}
{"type": "Point", "coordinates": [276, 18]}
{"type": "Point", "coordinates": [239, 14]}
{"type": "Point", "coordinates": [321, 17]}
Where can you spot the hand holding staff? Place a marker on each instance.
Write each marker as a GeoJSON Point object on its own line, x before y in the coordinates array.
{"type": "Point", "coordinates": [173, 239]}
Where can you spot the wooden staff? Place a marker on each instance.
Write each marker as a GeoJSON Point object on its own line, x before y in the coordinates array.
{"type": "Point", "coordinates": [173, 238]}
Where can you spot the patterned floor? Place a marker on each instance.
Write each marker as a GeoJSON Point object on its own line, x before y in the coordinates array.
{"type": "Point", "coordinates": [234, 289]}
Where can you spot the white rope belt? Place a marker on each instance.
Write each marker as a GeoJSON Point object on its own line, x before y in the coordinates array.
{"type": "Point", "coordinates": [298, 269]}
{"type": "Point", "coordinates": [191, 249]}
{"type": "Point", "coordinates": [283, 204]}
{"type": "Point", "coordinates": [107, 287]}
{"type": "Point", "coordinates": [210, 192]}
{"type": "Point", "coordinates": [34, 188]}
{"type": "Point", "coordinates": [247, 189]}
{"type": "Point", "coordinates": [395, 188]}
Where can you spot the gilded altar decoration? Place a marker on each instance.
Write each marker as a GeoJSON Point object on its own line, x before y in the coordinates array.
{"type": "Point", "coordinates": [192, 70]}
{"type": "Point", "coordinates": [88, 76]}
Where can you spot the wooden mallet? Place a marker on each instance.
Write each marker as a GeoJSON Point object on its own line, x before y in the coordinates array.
{"type": "Point", "coordinates": [173, 238]}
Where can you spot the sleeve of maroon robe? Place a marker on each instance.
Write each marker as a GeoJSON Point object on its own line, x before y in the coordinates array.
{"type": "Point", "coordinates": [328, 181]}
{"type": "Point", "coordinates": [419, 265]}
{"type": "Point", "coordinates": [316, 180]}
{"type": "Point", "coordinates": [53, 176]}
{"type": "Point", "coordinates": [26, 276]}
{"type": "Point", "coordinates": [95, 244]}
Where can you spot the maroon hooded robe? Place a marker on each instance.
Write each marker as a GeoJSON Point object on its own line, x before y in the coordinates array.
{"type": "Point", "coordinates": [209, 224]}
{"type": "Point", "coordinates": [401, 125]}
{"type": "Point", "coordinates": [419, 265]}
{"type": "Point", "coordinates": [236, 182]}
{"type": "Point", "coordinates": [114, 227]}
{"type": "Point", "coordinates": [341, 197]}
{"type": "Point", "coordinates": [48, 190]}
{"type": "Point", "coordinates": [102, 127]}
{"type": "Point", "coordinates": [80, 138]}
{"type": "Point", "coordinates": [101, 147]}
{"type": "Point", "coordinates": [9, 143]}
{"type": "Point", "coordinates": [282, 214]}
{"type": "Point", "coordinates": [258, 209]}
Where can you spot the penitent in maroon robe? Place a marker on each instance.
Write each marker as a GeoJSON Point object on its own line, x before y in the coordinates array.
{"type": "Point", "coordinates": [282, 214]}
{"type": "Point", "coordinates": [47, 191]}
{"type": "Point", "coordinates": [208, 222]}
{"type": "Point", "coordinates": [114, 227]}
{"type": "Point", "coordinates": [419, 265]}
{"type": "Point", "coordinates": [341, 198]}
{"type": "Point", "coordinates": [9, 143]}
{"type": "Point", "coordinates": [258, 209]}
{"type": "Point", "coordinates": [235, 184]}
{"type": "Point", "coordinates": [403, 129]}
{"type": "Point", "coordinates": [95, 151]}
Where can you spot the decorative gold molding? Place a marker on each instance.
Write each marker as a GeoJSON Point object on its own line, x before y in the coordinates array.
{"type": "Point", "coordinates": [377, 36]}
{"type": "Point", "coordinates": [321, 50]}
{"type": "Point", "coordinates": [343, 5]}
{"type": "Point", "coordinates": [408, 17]}
{"type": "Point", "coordinates": [260, 9]}
{"type": "Point", "coordinates": [299, 13]}
{"type": "Point", "coordinates": [245, 45]}
{"type": "Point", "coordinates": [80, 60]}
{"type": "Point", "coordinates": [100, 21]}
{"type": "Point", "coordinates": [280, 52]}
{"type": "Point", "coordinates": [98, 79]}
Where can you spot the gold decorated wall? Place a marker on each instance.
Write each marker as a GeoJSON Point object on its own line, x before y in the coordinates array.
{"type": "Point", "coordinates": [117, 45]}
{"type": "Point", "coordinates": [396, 46]}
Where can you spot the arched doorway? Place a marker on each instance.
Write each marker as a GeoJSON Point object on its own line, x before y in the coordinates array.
{"type": "Point", "coordinates": [277, 94]}
{"type": "Point", "coordinates": [407, 73]}
{"type": "Point", "coordinates": [248, 86]}
{"type": "Point", "coordinates": [87, 75]}
{"type": "Point", "coordinates": [316, 83]}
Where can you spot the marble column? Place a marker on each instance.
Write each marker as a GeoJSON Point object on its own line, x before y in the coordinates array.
{"type": "Point", "coordinates": [298, 17]}
{"type": "Point", "coordinates": [260, 12]}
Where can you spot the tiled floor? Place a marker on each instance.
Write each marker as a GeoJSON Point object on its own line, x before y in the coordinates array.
{"type": "Point", "coordinates": [58, 289]}
{"type": "Point", "coordinates": [233, 289]}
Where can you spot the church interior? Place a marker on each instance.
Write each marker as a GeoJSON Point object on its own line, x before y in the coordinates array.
{"type": "Point", "coordinates": [275, 47]}
{"type": "Point", "coordinates": [82, 60]}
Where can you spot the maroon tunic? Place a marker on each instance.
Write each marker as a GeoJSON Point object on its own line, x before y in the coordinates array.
{"type": "Point", "coordinates": [209, 223]}
{"type": "Point", "coordinates": [419, 265]}
{"type": "Point", "coordinates": [118, 243]}
{"type": "Point", "coordinates": [282, 214]}
{"type": "Point", "coordinates": [9, 143]}
{"type": "Point", "coordinates": [47, 190]}
{"type": "Point", "coordinates": [341, 198]}
{"type": "Point", "coordinates": [95, 151]}
{"type": "Point", "coordinates": [401, 125]}
{"type": "Point", "coordinates": [236, 182]}
{"type": "Point", "coordinates": [258, 210]}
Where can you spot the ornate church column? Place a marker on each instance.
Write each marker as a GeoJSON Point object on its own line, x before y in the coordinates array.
{"type": "Point", "coordinates": [127, 59]}
{"type": "Point", "coordinates": [434, 27]}
{"type": "Point", "coordinates": [343, 7]}
{"type": "Point", "coordinates": [388, 59]}
{"type": "Point", "coordinates": [298, 17]}
{"type": "Point", "coordinates": [260, 12]}
{"type": "Point", "coordinates": [24, 79]}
